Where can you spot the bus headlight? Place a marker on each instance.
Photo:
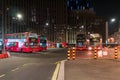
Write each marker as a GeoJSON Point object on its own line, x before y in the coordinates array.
{"type": "Point", "coordinates": [89, 48]}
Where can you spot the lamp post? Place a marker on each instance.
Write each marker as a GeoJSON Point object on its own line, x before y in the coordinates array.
{"type": "Point", "coordinates": [106, 26]}
{"type": "Point", "coordinates": [3, 24]}
{"type": "Point", "coordinates": [19, 17]}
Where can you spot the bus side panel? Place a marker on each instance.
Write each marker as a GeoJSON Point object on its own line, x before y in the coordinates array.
{"type": "Point", "coordinates": [15, 47]}
{"type": "Point", "coordinates": [26, 49]}
{"type": "Point", "coordinates": [35, 49]}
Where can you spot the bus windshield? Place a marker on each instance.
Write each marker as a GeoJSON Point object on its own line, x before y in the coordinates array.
{"type": "Point", "coordinates": [43, 41]}
{"type": "Point", "coordinates": [95, 41]}
{"type": "Point", "coordinates": [80, 41]}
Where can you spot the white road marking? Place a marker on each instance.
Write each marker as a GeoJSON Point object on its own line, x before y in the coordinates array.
{"type": "Point", "coordinates": [2, 75]}
{"type": "Point", "coordinates": [15, 69]}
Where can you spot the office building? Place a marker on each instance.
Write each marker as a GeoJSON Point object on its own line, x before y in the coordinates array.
{"type": "Point", "coordinates": [59, 20]}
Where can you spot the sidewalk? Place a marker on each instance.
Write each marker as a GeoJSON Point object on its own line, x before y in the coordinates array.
{"type": "Point", "coordinates": [89, 69]}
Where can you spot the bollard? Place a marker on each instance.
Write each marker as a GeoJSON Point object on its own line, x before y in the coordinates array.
{"type": "Point", "coordinates": [73, 53]}
{"type": "Point", "coordinates": [95, 53]}
{"type": "Point", "coordinates": [68, 53]}
{"type": "Point", "coordinates": [116, 53]}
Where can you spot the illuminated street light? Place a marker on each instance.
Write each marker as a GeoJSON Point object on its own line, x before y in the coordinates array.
{"type": "Point", "coordinates": [82, 26]}
{"type": "Point", "coordinates": [47, 24]}
{"type": "Point", "coordinates": [113, 20]}
{"type": "Point", "coordinates": [19, 16]}
{"type": "Point", "coordinates": [106, 26]}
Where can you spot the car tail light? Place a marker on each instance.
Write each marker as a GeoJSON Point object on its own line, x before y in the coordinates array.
{"type": "Point", "coordinates": [99, 48]}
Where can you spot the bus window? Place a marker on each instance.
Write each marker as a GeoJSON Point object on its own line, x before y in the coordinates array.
{"type": "Point", "coordinates": [31, 44]}
{"type": "Point", "coordinates": [42, 41]}
{"type": "Point", "coordinates": [9, 44]}
{"type": "Point", "coordinates": [23, 36]}
{"type": "Point", "coordinates": [15, 43]}
{"type": "Point", "coordinates": [26, 44]}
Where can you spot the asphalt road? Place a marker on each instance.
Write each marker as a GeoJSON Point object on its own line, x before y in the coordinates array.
{"type": "Point", "coordinates": [90, 69]}
{"type": "Point", "coordinates": [85, 67]}
{"type": "Point", "coordinates": [42, 65]}
{"type": "Point", "coordinates": [31, 66]}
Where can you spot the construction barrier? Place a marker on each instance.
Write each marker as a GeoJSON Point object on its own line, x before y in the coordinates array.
{"type": "Point", "coordinates": [4, 55]}
{"type": "Point", "coordinates": [95, 53]}
{"type": "Point", "coordinates": [69, 54]}
{"type": "Point", "coordinates": [116, 53]}
{"type": "Point", "coordinates": [73, 53]}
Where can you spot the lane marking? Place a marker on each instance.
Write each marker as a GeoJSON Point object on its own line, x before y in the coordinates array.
{"type": "Point", "coordinates": [57, 62]}
{"type": "Point", "coordinates": [25, 64]}
{"type": "Point", "coordinates": [55, 74]}
{"type": "Point", "coordinates": [15, 69]}
{"type": "Point", "coordinates": [2, 75]}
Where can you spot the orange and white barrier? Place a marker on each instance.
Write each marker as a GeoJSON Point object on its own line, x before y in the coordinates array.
{"type": "Point", "coordinates": [4, 55]}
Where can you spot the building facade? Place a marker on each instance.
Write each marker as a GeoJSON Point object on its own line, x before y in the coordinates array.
{"type": "Point", "coordinates": [58, 20]}
{"type": "Point", "coordinates": [35, 15]}
{"type": "Point", "coordinates": [83, 19]}
{"type": "Point", "coordinates": [80, 5]}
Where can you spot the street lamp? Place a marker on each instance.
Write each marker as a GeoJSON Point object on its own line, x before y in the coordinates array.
{"type": "Point", "coordinates": [19, 16]}
{"type": "Point", "coordinates": [106, 26]}
{"type": "Point", "coordinates": [113, 20]}
{"type": "Point", "coordinates": [47, 24]}
{"type": "Point", "coordinates": [3, 24]}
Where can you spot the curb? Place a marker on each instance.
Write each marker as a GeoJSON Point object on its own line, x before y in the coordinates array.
{"type": "Point", "coordinates": [61, 70]}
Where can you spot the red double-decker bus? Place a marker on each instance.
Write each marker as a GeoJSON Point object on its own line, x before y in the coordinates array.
{"type": "Point", "coordinates": [81, 42]}
{"type": "Point", "coordinates": [22, 42]}
{"type": "Point", "coordinates": [42, 42]}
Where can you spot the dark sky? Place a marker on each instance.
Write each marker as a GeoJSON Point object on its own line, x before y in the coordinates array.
{"type": "Point", "coordinates": [107, 8]}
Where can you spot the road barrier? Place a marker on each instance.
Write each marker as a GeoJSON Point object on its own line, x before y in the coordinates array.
{"type": "Point", "coordinates": [95, 53]}
{"type": "Point", "coordinates": [69, 54]}
{"type": "Point", "coordinates": [116, 53]}
{"type": "Point", "coordinates": [73, 53]}
{"type": "Point", "coordinates": [4, 55]}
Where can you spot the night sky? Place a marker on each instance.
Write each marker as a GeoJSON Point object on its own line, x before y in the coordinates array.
{"type": "Point", "coordinates": [108, 9]}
